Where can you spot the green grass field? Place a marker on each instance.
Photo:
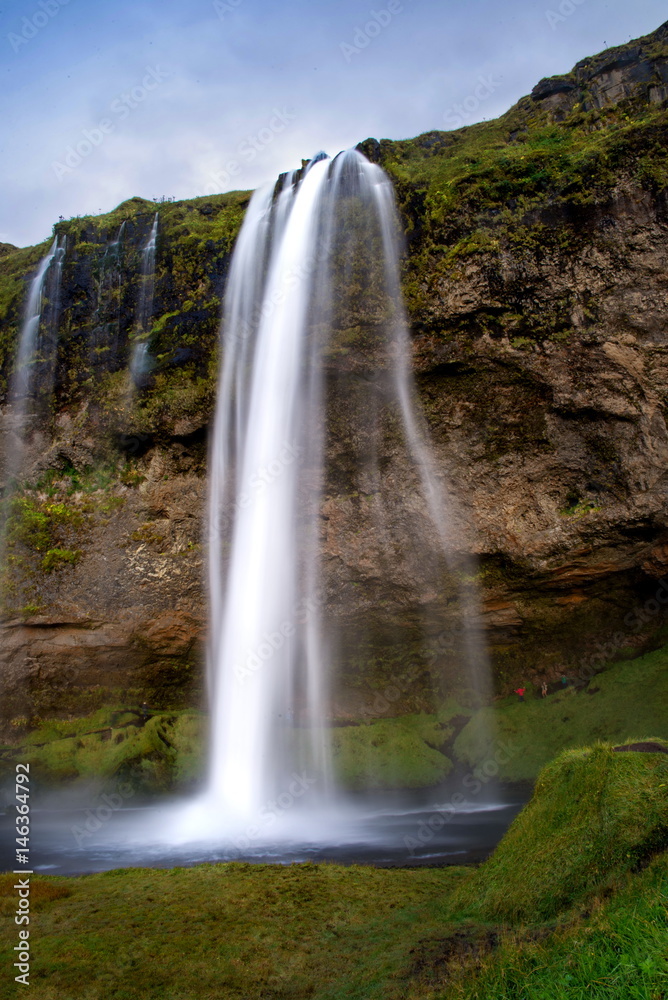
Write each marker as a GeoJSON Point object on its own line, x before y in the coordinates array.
{"type": "Point", "coordinates": [572, 904]}
{"type": "Point", "coordinates": [628, 697]}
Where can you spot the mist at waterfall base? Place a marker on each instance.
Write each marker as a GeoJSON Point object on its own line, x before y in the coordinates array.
{"type": "Point", "coordinates": [314, 394]}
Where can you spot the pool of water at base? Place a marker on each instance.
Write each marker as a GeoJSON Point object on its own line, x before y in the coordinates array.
{"type": "Point", "coordinates": [382, 829]}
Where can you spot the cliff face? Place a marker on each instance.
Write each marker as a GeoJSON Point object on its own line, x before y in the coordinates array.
{"type": "Point", "coordinates": [537, 289]}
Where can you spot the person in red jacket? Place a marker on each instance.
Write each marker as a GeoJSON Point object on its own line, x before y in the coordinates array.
{"type": "Point", "coordinates": [520, 693]}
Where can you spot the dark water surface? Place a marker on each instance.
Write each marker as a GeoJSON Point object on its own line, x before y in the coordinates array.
{"type": "Point", "coordinates": [386, 830]}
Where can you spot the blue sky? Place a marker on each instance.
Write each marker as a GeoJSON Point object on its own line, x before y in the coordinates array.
{"type": "Point", "coordinates": [102, 101]}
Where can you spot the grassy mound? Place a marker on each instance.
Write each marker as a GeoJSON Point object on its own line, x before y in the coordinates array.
{"type": "Point", "coordinates": [617, 951]}
{"type": "Point", "coordinates": [595, 815]}
{"type": "Point", "coordinates": [615, 701]}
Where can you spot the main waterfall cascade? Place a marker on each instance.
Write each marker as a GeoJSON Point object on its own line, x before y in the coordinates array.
{"type": "Point", "coordinates": [313, 297]}
{"type": "Point", "coordinates": [333, 549]}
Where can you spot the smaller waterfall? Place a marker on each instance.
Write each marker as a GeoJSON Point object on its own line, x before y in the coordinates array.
{"type": "Point", "coordinates": [140, 363]}
{"type": "Point", "coordinates": [34, 367]}
{"type": "Point", "coordinates": [112, 252]}
{"type": "Point", "coordinates": [36, 351]}
{"type": "Point", "coordinates": [21, 383]}
{"type": "Point", "coordinates": [47, 339]}
{"type": "Point", "coordinates": [147, 290]}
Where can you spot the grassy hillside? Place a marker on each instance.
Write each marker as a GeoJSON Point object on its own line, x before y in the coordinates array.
{"type": "Point", "coordinates": [572, 904]}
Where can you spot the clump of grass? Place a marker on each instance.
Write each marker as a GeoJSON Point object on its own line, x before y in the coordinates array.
{"type": "Point", "coordinates": [57, 558]}
{"type": "Point", "coordinates": [38, 524]}
{"type": "Point", "coordinates": [596, 815]}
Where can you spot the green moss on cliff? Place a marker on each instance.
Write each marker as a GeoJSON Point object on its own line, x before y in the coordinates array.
{"type": "Point", "coordinates": [159, 754]}
{"type": "Point", "coordinates": [101, 281]}
{"type": "Point", "coordinates": [409, 751]}
{"type": "Point", "coordinates": [167, 751]}
{"type": "Point", "coordinates": [50, 522]}
{"type": "Point", "coordinates": [486, 197]}
{"type": "Point", "coordinates": [391, 753]}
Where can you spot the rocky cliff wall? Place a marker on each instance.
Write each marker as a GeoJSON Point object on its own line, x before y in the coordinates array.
{"type": "Point", "coordinates": [536, 282]}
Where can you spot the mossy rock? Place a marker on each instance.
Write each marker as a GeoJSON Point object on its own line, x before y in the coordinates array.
{"type": "Point", "coordinates": [390, 753]}
{"type": "Point", "coordinates": [597, 813]}
{"type": "Point", "coordinates": [161, 754]}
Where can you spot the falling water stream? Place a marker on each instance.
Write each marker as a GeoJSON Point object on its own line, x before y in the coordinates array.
{"type": "Point", "coordinates": [35, 344]}
{"type": "Point", "coordinates": [140, 362]}
{"type": "Point", "coordinates": [270, 657]}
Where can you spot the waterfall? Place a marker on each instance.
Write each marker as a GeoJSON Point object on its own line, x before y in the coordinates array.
{"type": "Point", "coordinates": [314, 254]}
{"type": "Point", "coordinates": [35, 345]}
{"type": "Point", "coordinates": [113, 250]}
{"type": "Point", "coordinates": [47, 340]}
{"type": "Point", "coordinates": [28, 339]}
{"type": "Point", "coordinates": [140, 362]}
{"type": "Point", "coordinates": [263, 439]}
{"type": "Point", "coordinates": [105, 335]}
